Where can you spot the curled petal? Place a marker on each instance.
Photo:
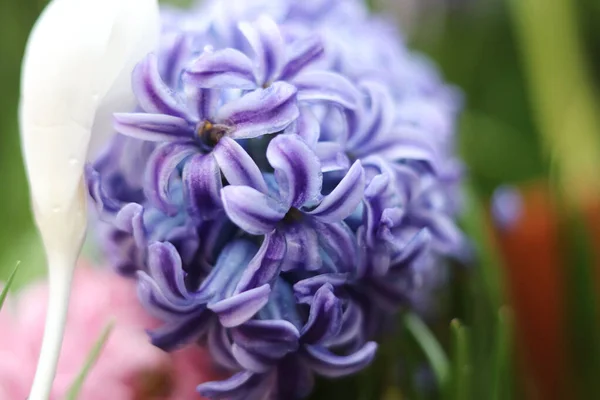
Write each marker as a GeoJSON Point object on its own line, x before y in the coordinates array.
{"type": "Point", "coordinates": [104, 203]}
{"type": "Point", "coordinates": [327, 86]}
{"type": "Point", "coordinates": [202, 183]}
{"type": "Point", "coordinates": [266, 41]}
{"type": "Point", "coordinates": [219, 345]}
{"type": "Point", "coordinates": [340, 244]}
{"type": "Point", "coordinates": [344, 199]}
{"type": "Point", "coordinates": [153, 127]}
{"type": "Point", "coordinates": [307, 127]}
{"type": "Point", "coordinates": [297, 169]}
{"type": "Point", "coordinates": [227, 68]}
{"type": "Point", "coordinates": [306, 288]}
{"type": "Point", "coordinates": [330, 365]}
{"type": "Point", "coordinates": [176, 334]}
{"type": "Point", "coordinates": [237, 309]}
{"type": "Point", "coordinates": [236, 387]}
{"type": "Point", "coordinates": [405, 143]}
{"type": "Point", "coordinates": [332, 156]}
{"type": "Point", "coordinates": [251, 210]}
{"type": "Point", "coordinates": [446, 235]}
{"type": "Point", "coordinates": [164, 265]}
{"type": "Point", "coordinates": [153, 95]}
{"type": "Point", "coordinates": [237, 166]}
{"type": "Point", "coordinates": [161, 166]}
{"type": "Point", "coordinates": [325, 318]}
{"type": "Point", "coordinates": [258, 344]}
{"type": "Point", "coordinates": [261, 111]}
{"type": "Point", "coordinates": [302, 248]}
{"type": "Point", "coordinates": [302, 53]}
{"type": "Point", "coordinates": [266, 264]}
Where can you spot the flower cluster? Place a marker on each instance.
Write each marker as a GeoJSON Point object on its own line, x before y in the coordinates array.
{"type": "Point", "coordinates": [286, 184]}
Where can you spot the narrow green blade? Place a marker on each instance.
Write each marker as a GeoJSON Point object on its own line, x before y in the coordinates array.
{"type": "Point", "coordinates": [501, 377]}
{"type": "Point", "coordinates": [73, 392]}
{"type": "Point", "coordinates": [8, 284]}
{"type": "Point", "coordinates": [431, 347]}
{"type": "Point", "coordinates": [459, 388]}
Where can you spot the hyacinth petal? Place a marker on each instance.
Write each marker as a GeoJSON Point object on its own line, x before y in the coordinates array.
{"type": "Point", "coordinates": [332, 156]}
{"type": "Point", "coordinates": [103, 202]}
{"type": "Point", "coordinates": [239, 308]}
{"type": "Point", "coordinates": [177, 334]}
{"type": "Point", "coordinates": [297, 169]}
{"type": "Point", "coordinates": [306, 288]}
{"type": "Point", "coordinates": [164, 265]}
{"type": "Point", "coordinates": [447, 237]}
{"type": "Point", "coordinates": [325, 318]}
{"type": "Point", "coordinates": [237, 166]}
{"type": "Point", "coordinates": [153, 95]}
{"type": "Point", "coordinates": [406, 143]}
{"type": "Point", "coordinates": [232, 388]}
{"type": "Point", "coordinates": [327, 86]}
{"type": "Point", "coordinates": [268, 338]}
{"type": "Point", "coordinates": [339, 242]}
{"type": "Point", "coordinates": [265, 265]}
{"type": "Point", "coordinates": [161, 166]}
{"type": "Point", "coordinates": [251, 210]}
{"type": "Point", "coordinates": [352, 326]}
{"type": "Point", "coordinates": [330, 365]}
{"type": "Point", "coordinates": [307, 127]}
{"type": "Point", "coordinates": [268, 45]}
{"type": "Point", "coordinates": [261, 111]}
{"type": "Point", "coordinates": [250, 361]}
{"type": "Point", "coordinates": [302, 248]}
{"type": "Point", "coordinates": [344, 199]}
{"type": "Point", "coordinates": [222, 69]}
{"type": "Point", "coordinates": [303, 53]}
{"type": "Point", "coordinates": [219, 345]}
{"type": "Point", "coordinates": [202, 182]}
{"type": "Point", "coordinates": [413, 249]}
{"type": "Point", "coordinates": [153, 127]}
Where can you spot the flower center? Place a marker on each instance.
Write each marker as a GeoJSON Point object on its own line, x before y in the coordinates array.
{"type": "Point", "coordinates": [293, 215]}
{"type": "Point", "coordinates": [210, 133]}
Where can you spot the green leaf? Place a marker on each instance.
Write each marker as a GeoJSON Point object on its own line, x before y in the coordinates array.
{"type": "Point", "coordinates": [73, 392]}
{"type": "Point", "coordinates": [431, 347]}
{"type": "Point", "coordinates": [8, 284]}
{"type": "Point", "coordinates": [501, 376]}
{"type": "Point", "coordinates": [461, 364]}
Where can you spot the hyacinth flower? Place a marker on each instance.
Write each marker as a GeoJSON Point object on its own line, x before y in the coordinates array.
{"type": "Point", "coordinates": [275, 198]}
{"type": "Point", "coordinates": [75, 75]}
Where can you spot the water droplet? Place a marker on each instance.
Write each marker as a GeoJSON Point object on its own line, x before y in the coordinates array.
{"type": "Point", "coordinates": [56, 210]}
{"type": "Point", "coordinates": [73, 161]}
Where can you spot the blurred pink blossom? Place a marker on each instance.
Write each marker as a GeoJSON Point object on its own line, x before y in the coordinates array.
{"type": "Point", "coordinates": [129, 367]}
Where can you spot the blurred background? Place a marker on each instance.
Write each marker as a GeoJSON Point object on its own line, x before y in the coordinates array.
{"type": "Point", "coordinates": [522, 320]}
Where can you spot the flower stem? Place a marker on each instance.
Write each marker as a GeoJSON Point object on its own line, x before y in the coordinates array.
{"type": "Point", "coordinates": [60, 275]}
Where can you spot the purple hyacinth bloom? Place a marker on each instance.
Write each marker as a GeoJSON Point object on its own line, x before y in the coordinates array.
{"type": "Point", "coordinates": [285, 186]}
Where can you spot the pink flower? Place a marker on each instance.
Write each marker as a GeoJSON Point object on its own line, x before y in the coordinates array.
{"type": "Point", "coordinates": [129, 367]}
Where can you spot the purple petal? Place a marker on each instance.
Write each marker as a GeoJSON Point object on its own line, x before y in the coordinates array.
{"type": "Point", "coordinates": [227, 68]}
{"type": "Point", "coordinates": [307, 127]}
{"type": "Point", "coordinates": [152, 94]}
{"type": "Point", "coordinates": [332, 156]}
{"type": "Point", "coordinates": [352, 326]}
{"type": "Point", "coordinates": [204, 102]}
{"type": "Point", "coordinates": [405, 143]}
{"type": "Point", "coordinates": [104, 203]}
{"type": "Point", "coordinates": [163, 305]}
{"type": "Point", "coordinates": [339, 243]}
{"type": "Point", "coordinates": [302, 248]}
{"type": "Point", "coordinates": [330, 365]}
{"type": "Point", "coordinates": [266, 41]}
{"type": "Point", "coordinates": [231, 388]}
{"type": "Point", "coordinates": [447, 236]}
{"type": "Point", "coordinates": [176, 334]}
{"type": "Point", "coordinates": [130, 219]}
{"type": "Point", "coordinates": [327, 86]}
{"type": "Point", "coordinates": [239, 308]}
{"type": "Point", "coordinates": [237, 166]}
{"type": "Point", "coordinates": [344, 199]}
{"type": "Point", "coordinates": [202, 183]}
{"type": "Point", "coordinates": [251, 210]}
{"type": "Point", "coordinates": [176, 53]}
{"type": "Point", "coordinates": [266, 264]}
{"type": "Point", "coordinates": [297, 169]}
{"type": "Point", "coordinates": [302, 53]}
{"type": "Point", "coordinates": [153, 127]}
{"type": "Point", "coordinates": [164, 265]}
{"type": "Point", "coordinates": [307, 288]}
{"type": "Point", "coordinates": [261, 111]}
{"type": "Point", "coordinates": [219, 345]}
{"type": "Point", "coordinates": [325, 318]}
{"type": "Point", "coordinates": [161, 165]}
{"type": "Point", "coordinates": [259, 344]}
